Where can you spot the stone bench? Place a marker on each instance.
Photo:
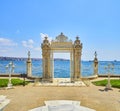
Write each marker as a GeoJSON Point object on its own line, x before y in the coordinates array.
{"type": "Point", "coordinates": [60, 102]}
{"type": "Point", "coordinates": [62, 105]}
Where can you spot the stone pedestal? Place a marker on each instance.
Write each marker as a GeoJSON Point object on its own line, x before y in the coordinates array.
{"type": "Point", "coordinates": [108, 86]}
{"type": "Point", "coordinates": [29, 66]}
{"type": "Point", "coordinates": [9, 86]}
{"type": "Point", "coordinates": [95, 65]}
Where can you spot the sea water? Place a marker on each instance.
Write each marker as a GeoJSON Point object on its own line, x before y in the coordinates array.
{"type": "Point", "coordinates": [61, 68]}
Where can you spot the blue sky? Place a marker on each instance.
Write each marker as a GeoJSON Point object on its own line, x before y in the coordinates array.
{"type": "Point", "coordinates": [24, 22]}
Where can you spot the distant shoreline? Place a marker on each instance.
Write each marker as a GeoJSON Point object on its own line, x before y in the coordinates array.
{"type": "Point", "coordinates": [24, 59]}
{"type": "Point", "coordinates": [37, 59]}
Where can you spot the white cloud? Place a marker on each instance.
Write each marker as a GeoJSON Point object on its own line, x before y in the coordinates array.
{"type": "Point", "coordinates": [42, 36]}
{"type": "Point", "coordinates": [7, 42]}
{"type": "Point", "coordinates": [28, 44]}
{"type": "Point", "coordinates": [37, 48]}
{"type": "Point", "coordinates": [30, 41]}
{"type": "Point", "coordinates": [5, 49]}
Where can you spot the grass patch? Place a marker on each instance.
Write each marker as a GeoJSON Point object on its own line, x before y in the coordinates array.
{"type": "Point", "coordinates": [4, 82]}
{"type": "Point", "coordinates": [114, 83]}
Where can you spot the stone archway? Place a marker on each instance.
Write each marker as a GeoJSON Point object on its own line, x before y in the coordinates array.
{"type": "Point", "coordinates": [61, 43]}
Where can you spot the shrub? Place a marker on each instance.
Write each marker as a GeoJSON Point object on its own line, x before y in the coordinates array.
{"type": "Point", "coordinates": [4, 82]}
{"type": "Point", "coordinates": [114, 83]}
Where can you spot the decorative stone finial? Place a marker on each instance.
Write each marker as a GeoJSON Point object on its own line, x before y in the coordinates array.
{"type": "Point", "coordinates": [46, 41]}
{"type": "Point", "coordinates": [77, 38]}
{"type": "Point", "coordinates": [28, 54]}
{"type": "Point", "coordinates": [77, 41]}
{"type": "Point", "coordinates": [46, 37]}
{"type": "Point", "coordinates": [95, 54]}
{"type": "Point", "coordinates": [61, 33]}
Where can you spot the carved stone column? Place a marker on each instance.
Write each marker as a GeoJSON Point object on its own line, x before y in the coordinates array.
{"type": "Point", "coordinates": [46, 54]}
{"type": "Point", "coordinates": [29, 66]}
{"type": "Point", "coordinates": [52, 65]}
{"type": "Point", "coordinates": [77, 59]}
{"type": "Point", "coordinates": [71, 66]}
{"type": "Point", "coordinates": [95, 64]}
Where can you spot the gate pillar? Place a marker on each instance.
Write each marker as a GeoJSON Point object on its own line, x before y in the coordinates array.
{"type": "Point", "coordinates": [46, 53]}
{"type": "Point", "coordinates": [77, 59]}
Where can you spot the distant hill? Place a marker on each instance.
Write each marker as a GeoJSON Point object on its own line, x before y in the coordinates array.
{"type": "Point", "coordinates": [24, 59]}
{"type": "Point", "coordinates": [17, 58]}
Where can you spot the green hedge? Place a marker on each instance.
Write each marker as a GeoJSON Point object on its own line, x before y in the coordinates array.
{"type": "Point", "coordinates": [114, 83]}
{"type": "Point", "coordinates": [4, 82]}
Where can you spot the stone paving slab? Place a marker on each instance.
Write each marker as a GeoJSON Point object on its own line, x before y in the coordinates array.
{"type": "Point", "coordinates": [3, 102]}
{"type": "Point", "coordinates": [60, 102]}
{"type": "Point", "coordinates": [60, 82]}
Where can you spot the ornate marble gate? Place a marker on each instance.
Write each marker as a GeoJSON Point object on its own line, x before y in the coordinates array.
{"type": "Point", "coordinates": [61, 44]}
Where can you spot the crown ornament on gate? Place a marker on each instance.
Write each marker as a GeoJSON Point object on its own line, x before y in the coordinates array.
{"type": "Point", "coordinates": [61, 38]}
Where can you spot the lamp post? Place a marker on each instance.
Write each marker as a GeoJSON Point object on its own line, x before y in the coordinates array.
{"type": "Point", "coordinates": [109, 69]}
{"type": "Point", "coordinates": [10, 69]}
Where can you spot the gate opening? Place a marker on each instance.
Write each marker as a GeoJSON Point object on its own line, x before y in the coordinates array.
{"type": "Point", "coordinates": [61, 65]}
